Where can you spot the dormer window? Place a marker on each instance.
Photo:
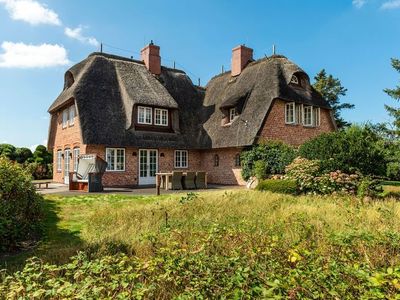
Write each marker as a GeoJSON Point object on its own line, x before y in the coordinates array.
{"type": "Point", "coordinates": [161, 117]}
{"type": "Point", "coordinates": [294, 80]}
{"type": "Point", "coordinates": [68, 116]}
{"type": "Point", "coordinates": [232, 114]}
{"type": "Point", "coordinates": [145, 115]}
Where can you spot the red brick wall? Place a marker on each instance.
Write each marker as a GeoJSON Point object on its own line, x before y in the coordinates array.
{"type": "Point", "coordinates": [226, 172]}
{"type": "Point", "coordinates": [69, 137]}
{"type": "Point", "coordinates": [275, 128]}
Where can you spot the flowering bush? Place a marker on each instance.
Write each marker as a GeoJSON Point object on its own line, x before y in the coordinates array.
{"type": "Point", "coordinates": [309, 179]}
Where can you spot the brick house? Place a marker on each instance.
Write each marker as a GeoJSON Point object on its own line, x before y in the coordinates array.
{"type": "Point", "coordinates": [142, 117]}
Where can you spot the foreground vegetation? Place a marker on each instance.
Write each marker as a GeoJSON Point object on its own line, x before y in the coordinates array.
{"type": "Point", "coordinates": [234, 244]}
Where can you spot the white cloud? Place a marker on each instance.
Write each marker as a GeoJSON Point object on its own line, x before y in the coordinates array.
{"type": "Point", "coordinates": [359, 3]}
{"type": "Point", "coordinates": [31, 12]}
{"type": "Point", "coordinates": [33, 147]}
{"type": "Point", "coordinates": [77, 35]}
{"type": "Point", "coordinates": [20, 55]}
{"type": "Point", "coordinates": [391, 4]}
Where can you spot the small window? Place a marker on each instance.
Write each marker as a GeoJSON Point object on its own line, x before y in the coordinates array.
{"type": "Point", "coordinates": [115, 158]}
{"type": "Point", "coordinates": [216, 160]}
{"type": "Point", "coordinates": [76, 158]}
{"type": "Point", "coordinates": [294, 79]}
{"type": "Point", "coordinates": [299, 114]}
{"type": "Point", "coordinates": [65, 118]}
{"type": "Point", "coordinates": [145, 115]}
{"type": "Point", "coordinates": [71, 118]}
{"type": "Point", "coordinates": [237, 160]}
{"type": "Point", "coordinates": [161, 117]}
{"type": "Point", "coordinates": [232, 114]}
{"type": "Point", "coordinates": [308, 116]}
{"type": "Point", "coordinates": [67, 158]}
{"type": "Point", "coordinates": [59, 160]}
{"type": "Point", "coordinates": [181, 159]}
{"type": "Point", "coordinates": [290, 110]}
{"type": "Point", "coordinates": [317, 116]}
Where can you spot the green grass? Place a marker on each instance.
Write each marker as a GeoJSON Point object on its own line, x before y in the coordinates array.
{"type": "Point", "coordinates": [225, 243]}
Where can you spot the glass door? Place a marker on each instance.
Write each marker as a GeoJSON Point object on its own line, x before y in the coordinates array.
{"type": "Point", "coordinates": [148, 166]}
{"type": "Point", "coordinates": [67, 161]}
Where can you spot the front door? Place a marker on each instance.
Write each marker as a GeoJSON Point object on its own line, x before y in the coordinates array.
{"type": "Point", "coordinates": [67, 161]}
{"type": "Point", "coordinates": [148, 166]}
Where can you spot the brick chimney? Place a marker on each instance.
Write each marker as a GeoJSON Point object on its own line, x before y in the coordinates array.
{"type": "Point", "coordinates": [151, 58]}
{"type": "Point", "coordinates": [241, 56]}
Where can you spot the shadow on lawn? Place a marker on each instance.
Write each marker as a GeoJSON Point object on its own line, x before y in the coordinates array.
{"type": "Point", "coordinates": [56, 246]}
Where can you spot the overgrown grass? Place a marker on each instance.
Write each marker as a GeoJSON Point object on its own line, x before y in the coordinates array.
{"type": "Point", "coordinates": [232, 244]}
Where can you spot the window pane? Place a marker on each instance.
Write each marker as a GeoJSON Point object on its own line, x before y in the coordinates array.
{"type": "Point", "coordinates": [65, 118]}
{"type": "Point", "coordinates": [141, 115]}
{"type": "Point", "coordinates": [110, 154]}
{"type": "Point", "coordinates": [148, 116]}
{"type": "Point", "coordinates": [120, 165]}
{"type": "Point", "coordinates": [158, 117]}
{"type": "Point", "coordinates": [71, 115]}
{"type": "Point", "coordinates": [76, 155]}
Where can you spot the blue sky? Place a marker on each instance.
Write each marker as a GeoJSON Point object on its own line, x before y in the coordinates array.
{"type": "Point", "coordinates": [41, 39]}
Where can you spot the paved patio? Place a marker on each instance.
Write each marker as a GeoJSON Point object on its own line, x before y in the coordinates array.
{"type": "Point", "coordinates": [62, 189]}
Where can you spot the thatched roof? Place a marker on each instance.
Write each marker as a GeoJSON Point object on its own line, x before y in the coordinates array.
{"type": "Point", "coordinates": [260, 83]}
{"type": "Point", "coordinates": [106, 88]}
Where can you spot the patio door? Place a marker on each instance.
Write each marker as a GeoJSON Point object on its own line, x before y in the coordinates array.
{"type": "Point", "coordinates": [67, 161]}
{"type": "Point", "coordinates": [148, 166]}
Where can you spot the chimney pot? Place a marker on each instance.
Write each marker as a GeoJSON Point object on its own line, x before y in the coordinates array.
{"type": "Point", "coordinates": [241, 56]}
{"type": "Point", "coordinates": [151, 58]}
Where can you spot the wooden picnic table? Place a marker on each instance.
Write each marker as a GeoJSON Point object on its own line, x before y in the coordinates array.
{"type": "Point", "coordinates": [39, 183]}
{"type": "Point", "coordinates": [164, 177]}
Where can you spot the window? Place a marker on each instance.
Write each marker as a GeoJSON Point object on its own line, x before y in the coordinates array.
{"type": "Point", "coordinates": [181, 159]}
{"type": "Point", "coordinates": [299, 114]}
{"type": "Point", "coordinates": [294, 79]}
{"type": "Point", "coordinates": [308, 116]}
{"type": "Point", "coordinates": [161, 117]}
{"type": "Point", "coordinates": [237, 160]}
{"type": "Point", "coordinates": [216, 160]}
{"type": "Point", "coordinates": [59, 160]}
{"type": "Point", "coordinates": [115, 158]}
{"type": "Point", "coordinates": [76, 156]}
{"type": "Point", "coordinates": [145, 115]}
{"type": "Point", "coordinates": [290, 113]}
{"type": "Point", "coordinates": [317, 116]}
{"type": "Point", "coordinates": [71, 115]}
{"type": "Point", "coordinates": [65, 118]}
{"type": "Point", "coordinates": [232, 114]}
{"type": "Point", "coordinates": [67, 158]}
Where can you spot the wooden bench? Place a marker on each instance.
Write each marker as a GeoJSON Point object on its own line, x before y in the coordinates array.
{"type": "Point", "coordinates": [39, 183]}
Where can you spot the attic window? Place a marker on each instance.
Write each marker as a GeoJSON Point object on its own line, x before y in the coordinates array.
{"type": "Point", "coordinates": [294, 80]}
{"type": "Point", "coordinates": [232, 114]}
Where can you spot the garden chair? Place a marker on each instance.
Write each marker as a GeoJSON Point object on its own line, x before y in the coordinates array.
{"type": "Point", "coordinates": [189, 180]}
{"type": "Point", "coordinates": [176, 182]}
{"type": "Point", "coordinates": [201, 180]}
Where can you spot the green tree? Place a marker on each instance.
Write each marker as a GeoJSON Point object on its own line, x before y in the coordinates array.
{"type": "Point", "coordinates": [42, 156]}
{"type": "Point", "coordinates": [331, 89]}
{"type": "Point", "coordinates": [395, 94]}
{"type": "Point", "coordinates": [8, 151]}
{"type": "Point", "coordinates": [23, 154]}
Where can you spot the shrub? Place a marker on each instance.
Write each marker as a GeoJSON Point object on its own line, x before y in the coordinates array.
{"type": "Point", "coordinates": [260, 169]}
{"type": "Point", "coordinates": [284, 186]}
{"type": "Point", "coordinates": [369, 188]}
{"type": "Point", "coordinates": [358, 148]}
{"type": "Point", "coordinates": [310, 179]}
{"type": "Point", "coordinates": [20, 206]}
{"type": "Point", "coordinates": [275, 155]}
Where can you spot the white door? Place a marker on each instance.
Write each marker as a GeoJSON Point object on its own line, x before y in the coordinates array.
{"type": "Point", "coordinates": [67, 160]}
{"type": "Point", "coordinates": [148, 166]}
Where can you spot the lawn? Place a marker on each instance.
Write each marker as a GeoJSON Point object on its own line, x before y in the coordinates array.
{"type": "Point", "coordinates": [237, 243]}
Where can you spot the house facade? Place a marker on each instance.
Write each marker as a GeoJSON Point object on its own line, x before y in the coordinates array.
{"type": "Point", "coordinates": [142, 117]}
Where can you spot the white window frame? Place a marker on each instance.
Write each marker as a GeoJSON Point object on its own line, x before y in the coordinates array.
{"type": "Point", "coordinates": [65, 116]}
{"type": "Point", "coordinates": [159, 112]}
{"type": "Point", "coordinates": [307, 109]}
{"type": "Point", "coordinates": [317, 119]}
{"type": "Point", "coordinates": [294, 79]}
{"type": "Point", "coordinates": [179, 163]}
{"type": "Point", "coordinates": [59, 160]}
{"type": "Point", "coordinates": [76, 153]}
{"type": "Point", "coordinates": [71, 115]}
{"type": "Point", "coordinates": [115, 159]}
{"type": "Point", "coordinates": [292, 108]}
{"type": "Point", "coordinates": [147, 111]}
{"type": "Point", "coordinates": [232, 114]}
